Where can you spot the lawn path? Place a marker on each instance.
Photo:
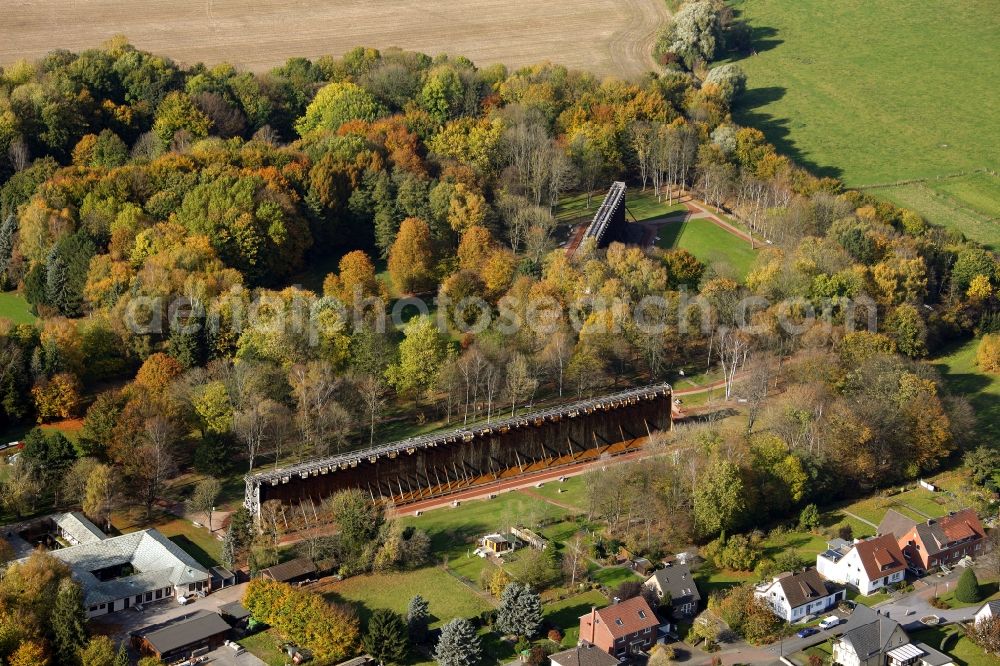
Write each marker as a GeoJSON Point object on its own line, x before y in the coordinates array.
{"type": "Point", "coordinates": [857, 517]}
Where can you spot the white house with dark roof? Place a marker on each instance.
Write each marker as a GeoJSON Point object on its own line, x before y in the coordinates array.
{"type": "Point", "coordinates": [991, 609]}
{"type": "Point", "coordinates": [137, 568]}
{"type": "Point", "coordinates": [796, 596]}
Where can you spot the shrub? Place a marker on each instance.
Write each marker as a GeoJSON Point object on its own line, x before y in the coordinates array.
{"type": "Point", "coordinates": [967, 591]}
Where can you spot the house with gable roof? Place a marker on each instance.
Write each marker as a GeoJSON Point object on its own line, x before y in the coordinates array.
{"type": "Point", "coordinates": [676, 580]}
{"type": "Point", "coordinates": [627, 627]}
{"type": "Point", "coordinates": [873, 639]}
{"type": "Point", "coordinates": [936, 541]}
{"type": "Point", "coordinates": [866, 565]}
{"type": "Point", "coordinates": [796, 596]}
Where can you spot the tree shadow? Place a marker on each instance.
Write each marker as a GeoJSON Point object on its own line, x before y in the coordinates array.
{"type": "Point", "coordinates": [763, 38]}
{"type": "Point", "coordinates": [775, 129]}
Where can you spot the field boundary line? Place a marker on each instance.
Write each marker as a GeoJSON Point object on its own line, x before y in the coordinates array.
{"type": "Point", "coordinates": [914, 181]}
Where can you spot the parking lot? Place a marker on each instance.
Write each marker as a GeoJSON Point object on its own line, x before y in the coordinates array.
{"type": "Point", "coordinates": [118, 625]}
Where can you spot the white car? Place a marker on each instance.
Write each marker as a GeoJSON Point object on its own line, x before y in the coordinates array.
{"type": "Point", "coordinates": [183, 601]}
{"type": "Point", "coordinates": [829, 622]}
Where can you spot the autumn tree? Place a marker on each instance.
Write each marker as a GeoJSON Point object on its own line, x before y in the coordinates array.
{"type": "Point", "coordinates": [336, 104]}
{"type": "Point", "coordinates": [156, 373]}
{"type": "Point", "coordinates": [178, 113]}
{"type": "Point", "coordinates": [421, 354]}
{"type": "Point", "coordinates": [58, 397]}
{"type": "Point", "coordinates": [99, 651]}
{"type": "Point", "coordinates": [205, 495]}
{"type": "Point", "coordinates": [411, 257]}
{"type": "Point", "coordinates": [719, 498]}
{"type": "Point", "coordinates": [988, 353]}
{"type": "Point", "coordinates": [100, 494]}
{"type": "Point", "coordinates": [330, 631]}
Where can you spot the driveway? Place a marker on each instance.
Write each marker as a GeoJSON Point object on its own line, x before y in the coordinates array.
{"type": "Point", "coordinates": [118, 625]}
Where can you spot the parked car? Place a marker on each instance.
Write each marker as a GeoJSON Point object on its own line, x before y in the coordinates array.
{"type": "Point", "coordinates": [807, 632]}
{"type": "Point", "coordinates": [830, 622]}
{"type": "Point", "coordinates": [183, 601]}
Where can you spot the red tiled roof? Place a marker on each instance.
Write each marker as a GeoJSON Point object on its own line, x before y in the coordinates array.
{"type": "Point", "coordinates": [960, 525]}
{"type": "Point", "coordinates": [627, 617]}
{"type": "Point", "coordinates": [880, 556]}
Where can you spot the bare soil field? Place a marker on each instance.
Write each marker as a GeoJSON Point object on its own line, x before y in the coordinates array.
{"type": "Point", "coordinates": [607, 37]}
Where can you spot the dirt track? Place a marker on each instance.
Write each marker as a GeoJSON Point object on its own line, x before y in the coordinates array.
{"type": "Point", "coordinates": [608, 37]}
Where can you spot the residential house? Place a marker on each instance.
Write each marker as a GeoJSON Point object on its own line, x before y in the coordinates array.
{"type": "Point", "coordinates": [873, 639]}
{"type": "Point", "coordinates": [991, 609]}
{"type": "Point", "coordinates": [136, 568]}
{"type": "Point", "coordinates": [676, 580]}
{"type": "Point", "coordinates": [192, 635]}
{"type": "Point", "coordinates": [583, 655]}
{"type": "Point", "coordinates": [293, 571]}
{"type": "Point", "coordinates": [944, 540]}
{"type": "Point", "coordinates": [866, 565]}
{"type": "Point", "coordinates": [796, 596]}
{"type": "Point", "coordinates": [627, 627]}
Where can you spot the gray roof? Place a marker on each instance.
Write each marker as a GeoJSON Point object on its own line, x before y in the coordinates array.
{"type": "Point", "coordinates": [804, 587]}
{"type": "Point", "coordinates": [932, 657]}
{"type": "Point", "coordinates": [290, 570]}
{"type": "Point", "coordinates": [235, 610]}
{"type": "Point", "coordinates": [867, 631]}
{"type": "Point", "coordinates": [585, 655]}
{"type": "Point", "coordinates": [191, 629]}
{"type": "Point", "coordinates": [895, 523]}
{"type": "Point", "coordinates": [677, 580]}
{"type": "Point", "coordinates": [78, 528]}
{"type": "Point", "coordinates": [994, 607]}
{"type": "Point", "coordinates": [158, 561]}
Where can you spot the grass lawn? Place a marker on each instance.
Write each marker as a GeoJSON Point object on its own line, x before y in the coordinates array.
{"type": "Point", "coordinates": [951, 641]}
{"type": "Point", "coordinates": [266, 646]}
{"type": "Point", "coordinates": [872, 92]}
{"type": "Point", "coordinates": [869, 600]}
{"type": "Point", "coordinates": [967, 203]}
{"type": "Point", "coordinates": [447, 596]}
{"type": "Point", "coordinates": [566, 613]}
{"type": "Point", "coordinates": [574, 492]}
{"type": "Point", "coordinates": [710, 243]}
{"type": "Point", "coordinates": [14, 307]}
{"type": "Point", "coordinates": [454, 531]}
{"type": "Point", "coordinates": [958, 366]}
{"type": "Point", "coordinates": [990, 591]}
{"type": "Point", "coordinates": [612, 577]}
{"type": "Point", "coordinates": [710, 579]}
{"type": "Point", "coordinates": [642, 205]}
{"type": "Point", "coordinates": [196, 541]}
{"type": "Point", "coordinates": [806, 544]}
